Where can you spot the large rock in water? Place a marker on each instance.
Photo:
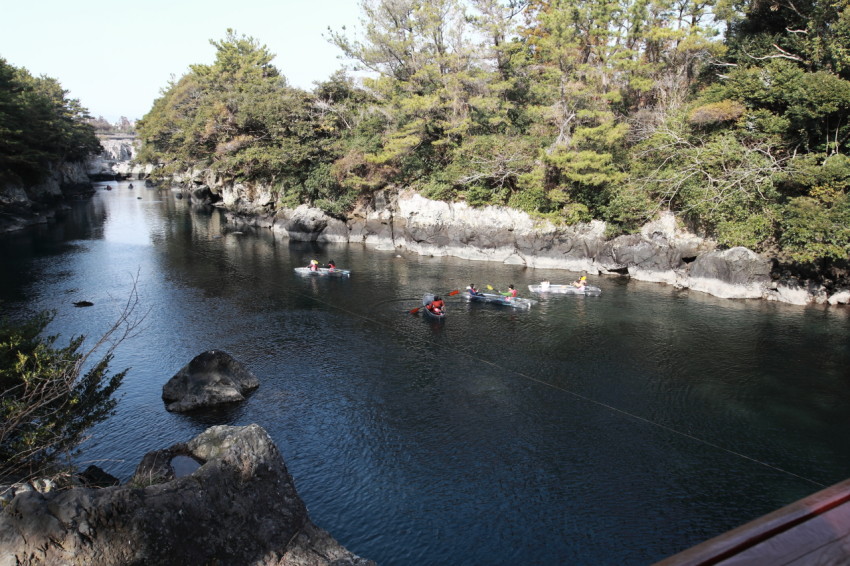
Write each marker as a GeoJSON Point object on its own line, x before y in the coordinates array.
{"type": "Point", "coordinates": [211, 378]}
{"type": "Point", "coordinates": [239, 506]}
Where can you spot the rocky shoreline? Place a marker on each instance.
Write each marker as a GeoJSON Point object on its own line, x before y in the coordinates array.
{"type": "Point", "coordinates": [224, 497]}
{"type": "Point", "coordinates": [399, 219]}
{"type": "Point", "coordinates": [663, 251]}
{"type": "Point", "coordinates": [24, 205]}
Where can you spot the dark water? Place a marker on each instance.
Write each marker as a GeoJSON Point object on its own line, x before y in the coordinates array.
{"type": "Point", "coordinates": [617, 429]}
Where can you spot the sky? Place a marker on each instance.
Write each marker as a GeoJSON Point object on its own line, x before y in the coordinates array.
{"type": "Point", "coordinates": [117, 56]}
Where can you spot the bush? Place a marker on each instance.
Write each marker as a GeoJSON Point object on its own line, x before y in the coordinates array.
{"type": "Point", "coordinates": [812, 232]}
{"type": "Point", "coordinates": [532, 198]}
{"type": "Point", "coordinates": [716, 112]}
{"type": "Point", "coordinates": [51, 395]}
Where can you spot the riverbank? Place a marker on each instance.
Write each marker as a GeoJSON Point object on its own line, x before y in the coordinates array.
{"type": "Point", "coordinates": [662, 252]}
{"type": "Point", "coordinates": [28, 204]}
{"type": "Point", "coordinates": [23, 205]}
{"type": "Point", "coordinates": [224, 496]}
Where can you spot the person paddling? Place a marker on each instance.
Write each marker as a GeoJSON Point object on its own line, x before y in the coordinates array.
{"type": "Point", "coordinates": [331, 265]}
{"type": "Point", "coordinates": [472, 290]}
{"type": "Point", "coordinates": [581, 283]}
{"type": "Point", "coordinates": [511, 293]}
{"type": "Point", "coordinates": [436, 306]}
{"type": "Point", "coordinates": [314, 265]}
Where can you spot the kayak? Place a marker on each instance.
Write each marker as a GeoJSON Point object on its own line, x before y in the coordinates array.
{"type": "Point", "coordinates": [427, 299]}
{"type": "Point", "coordinates": [323, 272]}
{"type": "Point", "coordinates": [434, 315]}
{"type": "Point", "coordinates": [515, 302]}
{"type": "Point", "coordinates": [565, 289]}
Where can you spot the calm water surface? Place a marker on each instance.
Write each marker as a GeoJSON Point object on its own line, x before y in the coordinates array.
{"type": "Point", "coordinates": [617, 429]}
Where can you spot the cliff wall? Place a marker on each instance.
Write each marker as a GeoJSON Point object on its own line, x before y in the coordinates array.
{"type": "Point", "coordinates": [116, 161]}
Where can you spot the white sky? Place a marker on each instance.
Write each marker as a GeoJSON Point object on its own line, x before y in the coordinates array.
{"type": "Point", "coordinates": [116, 56]}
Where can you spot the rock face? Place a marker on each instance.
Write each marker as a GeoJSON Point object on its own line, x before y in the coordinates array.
{"type": "Point", "coordinates": [662, 252]}
{"type": "Point", "coordinates": [239, 506]}
{"type": "Point", "coordinates": [211, 378]}
{"type": "Point", "coordinates": [734, 273]}
{"type": "Point", "coordinates": [26, 205]}
{"type": "Point", "coordinates": [116, 160]}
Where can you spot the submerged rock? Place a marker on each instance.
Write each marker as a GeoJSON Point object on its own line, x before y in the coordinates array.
{"type": "Point", "coordinates": [211, 378]}
{"type": "Point", "coordinates": [239, 506]}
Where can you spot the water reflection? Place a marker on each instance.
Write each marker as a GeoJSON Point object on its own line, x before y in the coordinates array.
{"type": "Point", "coordinates": [521, 437]}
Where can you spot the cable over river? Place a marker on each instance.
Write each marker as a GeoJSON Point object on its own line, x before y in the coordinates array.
{"type": "Point", "coordinates": [614, 429]}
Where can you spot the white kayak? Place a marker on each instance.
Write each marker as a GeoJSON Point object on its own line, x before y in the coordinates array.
{"type": "Point", "coordinates": [565, 289]}
{"type": "Point", "coordinates": [323, 272]}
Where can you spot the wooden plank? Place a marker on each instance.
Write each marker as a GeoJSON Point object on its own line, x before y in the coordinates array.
{"type": "Point", "coordinates": [805, 543]}
{"type": "Point", "coordinates": [739, 540]}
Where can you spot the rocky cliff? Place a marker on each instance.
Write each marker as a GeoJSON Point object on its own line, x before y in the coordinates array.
{"type": "Point", "coordinates": [23, 205]}
{"type": "Point", "coordinates": [116, 161]}
{"type": "Point", "coordinates": [225, 497]}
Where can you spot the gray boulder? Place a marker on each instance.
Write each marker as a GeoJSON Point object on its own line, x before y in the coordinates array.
{"type": "Point", "coordinates": [202, 195]}
{"type": "Point", "coordinates": [307, 224]}
{"type": "Point", "coordinates": [736, 273]}
{"type": "Point", "coordinates": [238, 506]}
{"type": "Point", "coordinates": [211, 378]}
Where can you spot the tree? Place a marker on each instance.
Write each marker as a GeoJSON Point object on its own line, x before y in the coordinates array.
{"type": "Point", "coordinates": [52, 395]}
{"type": "Point", "coordinates": [39, 126]}
{"type": "Point", "coordinates": [426, 76]}
{"type": "Point", "coordinates": [724, 182]}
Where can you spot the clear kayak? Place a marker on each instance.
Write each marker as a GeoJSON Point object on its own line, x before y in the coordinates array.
{"type": "Point", "coordinates": [323, 272]}
{"type": "Point", "coordinates": [565, 289]}
{"type": "Point", "coordinates": [515, 302]}
{"type": "Point", "coordinates": [428, 314]}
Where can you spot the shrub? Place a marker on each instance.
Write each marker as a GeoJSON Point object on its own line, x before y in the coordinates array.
{"type": "Point", "coordinates": [51, 395]}
{"type": "Point", "coordinates": [811, 232]}
{"type": "Point", "coordinates": [716, 113]}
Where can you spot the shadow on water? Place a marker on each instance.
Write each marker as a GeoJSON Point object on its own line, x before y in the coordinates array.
{"type": "Point", "coordinates": [212, 416]}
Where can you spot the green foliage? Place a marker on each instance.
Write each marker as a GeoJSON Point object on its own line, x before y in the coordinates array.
{"type": "Point", "coordinates": [583, 177]}
{"type": "Point", "coordinates": [49, 398]}
{"type": "Point", "coordinates": [811, 232]}
{"type": "Point", "coordinates": [750, 231]}
{"type": "Point", "coordinates": [824, 178]}
{"type": "Point", "coordinates": [722, 181]}
{"type": "Point", "coordinates": [39, 126]}
{"type": "Point", "coordinates": [574, 213]}
{"type": "Point", "coordinates": [531, 196]}
{"type": "Point", "coordinates": [437, 190]}
{"type": "Point", "coordinates": [240, 118]}
{"type": "Point", "coordinates": [492, 162]}
{"type": "Point", "coordinates": [808, 109]}
{"type": "Point", "coordinates": [632, 206]}
{"type": "Point", "coordinates": [615, 109]}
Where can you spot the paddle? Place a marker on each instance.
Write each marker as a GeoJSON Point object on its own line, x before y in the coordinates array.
{"type": "Point", "coordinates": [449, 294]}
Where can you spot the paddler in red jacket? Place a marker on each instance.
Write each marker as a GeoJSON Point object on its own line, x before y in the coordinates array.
{"type": "Point", "coordinates": [436, 306]}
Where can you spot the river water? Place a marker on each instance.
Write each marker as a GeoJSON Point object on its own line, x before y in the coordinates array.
{"type": "Point", "coordinates": [617, 429]}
